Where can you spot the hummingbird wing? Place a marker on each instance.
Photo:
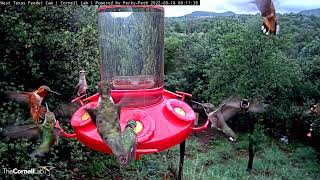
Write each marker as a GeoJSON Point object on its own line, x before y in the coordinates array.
{"type": "Point", "coordinates": [306, 113]}
{"type": "Point", "coordinates": [22, 131]}
{"type": "Point", "coordinates": [230, 99]}
{"type": "Point", "coordinates": [256, 106]}
{"type": "Point", "coordinates": [76, 88]}
{"type": "Point", "coordinates": [22, 97]}
{"type": "Point", "coordinates": [233, 103]}
{"type": "Point", "coordinates": [266, 7]}
{"type": "Point", "coordinates": [66, 110]}
{"type": "Point", "coordinates": [227, 112]}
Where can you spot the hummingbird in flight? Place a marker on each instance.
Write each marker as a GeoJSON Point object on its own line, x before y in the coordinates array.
{"type": "Point", "coordinates": [47, 130]}
{"type": "Point", "coordinates": [82, 86]}
{"type": "Point", "coordinates": [34, 100]}
{"type": "Point", "coordinates": [106, 118]}
{"type": "Point", "coordinates": [268, 12]}
{"type": "Point", "coordinates": [314, 109]}
{"type": "Point", "coordinates": [228, 109]}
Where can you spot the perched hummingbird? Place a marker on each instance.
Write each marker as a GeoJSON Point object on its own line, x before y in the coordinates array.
{"type": "Point", "coordinates": [229, 109]}
{"type": "Point", "coordinates": [106, 118]}
{"type": "Point", "coordinates": [34, 100]}
{"type": "Point", "coordinates": [266, 7]}
{"type": "Point", "coordinates": [48, 131]}
{"type": "Point", "coordinates": [81, 87]}
{"type": "Point", "coordinates": [129, 141]}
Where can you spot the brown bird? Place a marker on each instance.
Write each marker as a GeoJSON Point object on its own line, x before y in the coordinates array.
{"type": "Point", "coordinates": [228, 109]}
{"type": "Point", "coordinates": [34, 100]}
{"type": "Point", "coordinates": [268, 12]}
{"type": "Point", "coordinates": [81, 87]}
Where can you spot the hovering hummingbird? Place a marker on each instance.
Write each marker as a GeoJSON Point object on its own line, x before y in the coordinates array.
{"type": "Point", "coordinates": [48, 131]}
{"type": "Point", "coordinates": [314, 109]}
{"type": "Point", "coordinates": [50, 134]}
{"type": "Point", "coordinates": [34, 100]}
{"type": "Point", "coordinates": [268, 12]}
{"type": "Point", "coordinates": [81, 87]}
{"type": "Point", "coordinates": [129, 141]}
{"type": "Point", "coordinates": [106, 118]}
{"type": "Point", "coordinates": [228, 109]}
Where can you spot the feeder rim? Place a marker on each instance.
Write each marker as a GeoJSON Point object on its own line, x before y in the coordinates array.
{"type": "Point", "coordinates": [102, 8]}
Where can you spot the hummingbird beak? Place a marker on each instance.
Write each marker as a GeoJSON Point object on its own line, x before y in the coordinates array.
{"type": "Point", "coordinates": [55, 92]}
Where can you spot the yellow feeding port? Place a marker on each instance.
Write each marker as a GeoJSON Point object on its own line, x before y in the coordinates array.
{"type": "Point", "coordinates": [85, 117]}
{"type": "Point", "coordinates": [180, 111]}
{"type": "Point", "coordinates": [138, 128]}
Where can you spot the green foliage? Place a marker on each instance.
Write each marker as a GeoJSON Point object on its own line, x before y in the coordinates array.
{"type": "Point", "coordinates": [224, 160]}
{"type": "Point", "coordinates": [47, 45]}
{"type": "Point", "coordinates": [230, 56]}
{"type": "Point", "coordinates": [211, 58]}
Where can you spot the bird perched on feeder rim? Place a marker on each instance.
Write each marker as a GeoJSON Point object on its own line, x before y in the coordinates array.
{"type": "Point", "coordinates": [106, 118]}
{"type": "Point", "coordinates": [82, 86]}
{"type": "Point", "coordinates": [47, 129]}
{"type": "Point", "coordinates": [129, 141]}
{"type": "Point", "coordinates": [268, 12]}
{"type": "Point", "coordinates": [34, 100]}
{"type": "Point", "coordinates": [228, 109]}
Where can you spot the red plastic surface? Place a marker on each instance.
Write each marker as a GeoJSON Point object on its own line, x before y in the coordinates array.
{"type": "Point", "coordinates": [163, 128]}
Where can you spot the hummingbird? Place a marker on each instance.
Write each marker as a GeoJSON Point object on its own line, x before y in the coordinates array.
{"type": "Point", "coordinates": [228, 109]}
{"type": "Point", "coordinates": [50, 135]}
{"type": "Point", "coordinates": [268, 12]}
{"type": "Point", "coordinates": [129, 141]}
{"type": "Point", "coordinates": [82, 86]}
{"type": "Point", "coordinates": [314, 109]}
{"type": "Point", "coordinates": [47, 130]}
{"type": "Point", "coordinates": [34, 100]}
{"type": "Point", "coordinates": [106, 118]}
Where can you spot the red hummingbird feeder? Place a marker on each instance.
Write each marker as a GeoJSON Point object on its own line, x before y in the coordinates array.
{"type": "Point", "coordinates": [131, 42]}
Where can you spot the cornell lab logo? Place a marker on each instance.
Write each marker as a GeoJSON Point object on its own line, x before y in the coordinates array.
{"type": "Point", "coordinates": [45, 170]}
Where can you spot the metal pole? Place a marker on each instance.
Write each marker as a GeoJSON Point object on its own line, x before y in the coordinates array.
{"type": "Point", "coordinates": [251, 145]}
{"type": "Point", "coordinates": [182, 150]}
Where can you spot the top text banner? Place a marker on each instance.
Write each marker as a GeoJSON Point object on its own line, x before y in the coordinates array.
{"type": "Point", "coordinates": [104, 3]}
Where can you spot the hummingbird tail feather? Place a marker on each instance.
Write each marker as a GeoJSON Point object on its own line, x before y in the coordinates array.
{"type": "Point", "coordinates": [37, 153]}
